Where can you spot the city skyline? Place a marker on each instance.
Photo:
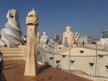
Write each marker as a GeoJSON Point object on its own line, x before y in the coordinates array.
{"type": "Point", "coordinates": [88, 17]}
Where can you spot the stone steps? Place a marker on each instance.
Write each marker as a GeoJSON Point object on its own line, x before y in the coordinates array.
{"type": "Point", "coordinates": [14, 53]}
{"type": "Point", "coordinates": [6, 67]}
{"type": "Point", "coordinates": [19, 48]}
{"type": "Point", "coordinates": [13, 58]}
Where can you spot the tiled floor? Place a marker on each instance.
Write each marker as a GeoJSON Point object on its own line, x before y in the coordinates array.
{"type": "Point", "coordinates": [14, 71]}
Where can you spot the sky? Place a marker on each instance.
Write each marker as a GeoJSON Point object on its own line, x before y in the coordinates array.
{"type": "Point", "coordinates": [88, 17]}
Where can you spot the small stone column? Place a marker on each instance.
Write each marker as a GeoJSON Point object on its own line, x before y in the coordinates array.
{"type": "Point", "coordinates": [31, 57]}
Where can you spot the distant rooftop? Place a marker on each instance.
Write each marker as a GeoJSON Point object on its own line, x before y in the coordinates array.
{"type": "Point", "coordinates": [86, 36]}
{"type": "Point", "coordinates": [104, 31]}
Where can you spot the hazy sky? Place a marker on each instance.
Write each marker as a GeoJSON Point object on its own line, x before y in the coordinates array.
{"type": "Point", "coordinates": [88, 17]}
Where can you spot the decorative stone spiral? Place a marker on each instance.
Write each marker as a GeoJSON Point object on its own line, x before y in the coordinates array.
{"type": "Point", "coordinates": [11, 34]}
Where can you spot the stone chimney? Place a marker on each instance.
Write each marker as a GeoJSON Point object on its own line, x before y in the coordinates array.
{"type": "Point", "coordinates": [31, 56]}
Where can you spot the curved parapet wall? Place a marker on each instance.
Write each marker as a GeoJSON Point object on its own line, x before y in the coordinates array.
{"type": "Point", "coordinates": [11, 34]}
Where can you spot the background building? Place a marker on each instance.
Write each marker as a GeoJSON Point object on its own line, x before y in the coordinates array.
{"type": "Point", "coordinates": [104, 38]}
{"type": "Point", "coordinates": [58, 38]}
{"type": "Point", "coordinates": [86, 39]}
